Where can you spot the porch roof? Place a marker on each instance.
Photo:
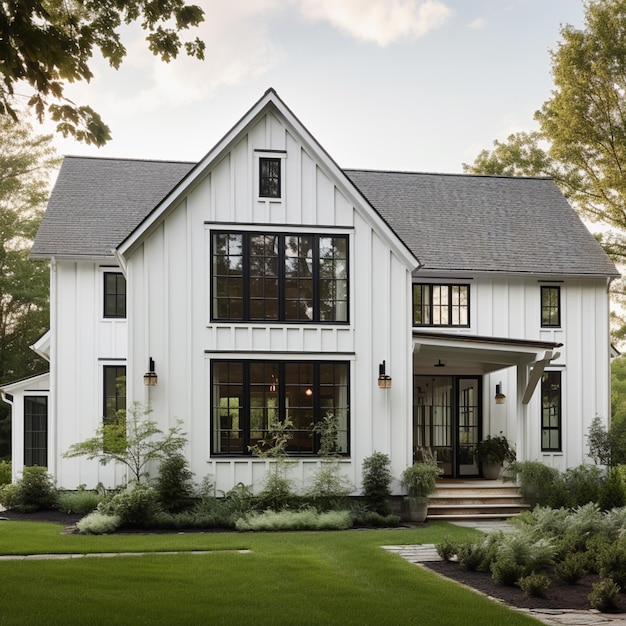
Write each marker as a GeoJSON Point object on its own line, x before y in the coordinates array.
{"type": "Point", "coordinates": [447, 353]}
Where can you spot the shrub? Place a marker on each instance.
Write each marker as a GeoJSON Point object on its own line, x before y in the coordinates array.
{"type": "Point", "coordinates": [174, 486]}
{"type": "Point", "coordinates": [471, 556]}
{"type": "Point", "coordinates": [34, 491]}
{"type": "Point", "coordinates": [136, 506]}
{"type": "Point", "coordinates": [578, 486]}
{"type": "Point", "coordinates": [97, 523]}
{"type": "Point", "coordinates": [603, 596]}
{"type": "Point", "coordinates": [611, 559]}
{"type": "Point", "coordinates": [506, 571]}
{"type": "Point", "coordinates": [277, 492]}
{"type": "Point", "coordinates": [535, 585]}
{"type": "Point", "coordinates": [572, 568]}
{"type": "Point", "coordinates": [369, 519]}
{"type": "Point", "coordinates": [376, 476]}
{"type": "Point", "coordinates": [79, 502]}
{"type": "Point", "coordinates": [612, 493]}
{"type": "Point", "coordinates": [446, 549]}
{"type": "Point", "coordinates": [307, 519]}
{"type": "Point", "coordinates": [536, 480]}
{"type": "Point", "coordinates": [5, 473]}
{"type": "Point", "coordinates": [328, 489]}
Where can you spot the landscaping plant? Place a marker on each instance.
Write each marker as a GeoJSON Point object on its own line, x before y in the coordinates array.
{"type": "Point", "coordinates": [377, 477]}
{"type": "Point", "coordinates": [34, 491]}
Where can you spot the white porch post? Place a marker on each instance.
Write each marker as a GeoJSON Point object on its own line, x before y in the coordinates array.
{"type": "Point", "coordinates": [521, 410]}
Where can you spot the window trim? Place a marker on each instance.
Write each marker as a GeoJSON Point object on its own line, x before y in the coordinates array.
{"type": "Point", "coordinates": [559, 427]}
{"type": "Point", "coordinates": [28, 450]}
{"type": "Point", "coordinates": [450, 287]}
{"type": "Point", "coordinates": [546, 289]}
{"type": "Point", "coordinates": [281, 278]}
{"type": "Point", "coordinates": [269, 154]}
{"type": "Point", "coordinates": [245, 404]}
{"type": "Point", "coordinates": [106, 294]}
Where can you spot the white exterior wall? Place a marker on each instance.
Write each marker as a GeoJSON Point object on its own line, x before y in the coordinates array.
{"type": "Point", "coordinates": [510, 306]}
{"type": "Point", "coordinates": [82, 342]}
{"type": "Point", "coordinates": [169, 305]}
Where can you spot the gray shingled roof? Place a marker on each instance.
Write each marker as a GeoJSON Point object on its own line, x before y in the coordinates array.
{"type": "Point", "coordinates": [449, 222]}
{"type": "Point", "coordinates": [96, 203]}
{"type": "Point", "coordinates": [484, 223]}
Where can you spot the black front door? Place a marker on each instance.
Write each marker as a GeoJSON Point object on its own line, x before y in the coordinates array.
{"type": "Point", "coordinates": [447, 422]}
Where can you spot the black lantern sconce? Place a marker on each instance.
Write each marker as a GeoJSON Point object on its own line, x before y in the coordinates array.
{"type": "Point", "coordinates": [384, 380]}
{"type": "Point", "coordinates": [150, 378]}
{"type": "Point", "coordinates": [500, 397]}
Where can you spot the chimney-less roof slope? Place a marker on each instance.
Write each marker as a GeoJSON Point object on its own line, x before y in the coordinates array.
{"type": "Point", "coordinates": [97, 202]}
{"type": "Point", "coordinates": [484, 223]}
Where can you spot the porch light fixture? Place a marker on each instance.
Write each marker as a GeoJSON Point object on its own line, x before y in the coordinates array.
{"type": "Point", "coordinates": [384, 380]}
{"type": "Point", "coordinates": [500, 397]}
{"type": "Point", "coordinates": [439, 364]}
{"type": "Point", "coordinates": [150, 378]}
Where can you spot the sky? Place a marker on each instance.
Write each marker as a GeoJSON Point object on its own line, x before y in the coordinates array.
{"type": "Point", "coordinates": [408, 85]}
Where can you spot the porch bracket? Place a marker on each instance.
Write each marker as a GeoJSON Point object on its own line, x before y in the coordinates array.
{"type": "Point", "coordinates": [537, 371]}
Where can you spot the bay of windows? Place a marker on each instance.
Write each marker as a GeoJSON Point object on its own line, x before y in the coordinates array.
{"type": "Point", "coordinates": [279, 277]}
{"type": "Point", "coordinates": [440, 305]}
{"type": "Point", "coordinates": [250, 397]}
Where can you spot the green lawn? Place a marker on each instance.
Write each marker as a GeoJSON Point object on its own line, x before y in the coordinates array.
{"type": "Point", "coordinates": [299, 578]}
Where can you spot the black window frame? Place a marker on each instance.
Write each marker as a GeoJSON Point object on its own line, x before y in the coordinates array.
{"type": "Point", "coordinates": [277, 383]}
{"type": "Point", "coordinates": [114, 299]}
{"type": "Point", "coordinates": [244, 303]}
{"type": "Point", "coordinates": [270, 177]}
{"type": "Point", "coordinates": [36, 438]}
{"type": "Point", "coordinates": [428, 306]}
{"type": "Point", "coordinates": [552, 411]}
{"type": "Point", "coordinates": [114, 402]}
{"type": "Point", "coordinates": [548, 307]}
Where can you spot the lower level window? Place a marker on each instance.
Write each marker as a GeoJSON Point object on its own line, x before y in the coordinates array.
{"type": "Point", "coordinates": [551, 411]}
{"type": "Point", "coordinates": [36, 431]}
{"type": "Point", "coordinates": [250, 398]}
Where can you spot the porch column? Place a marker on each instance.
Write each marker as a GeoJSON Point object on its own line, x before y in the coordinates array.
{"type": "Point", "coordinates": [521, 412]}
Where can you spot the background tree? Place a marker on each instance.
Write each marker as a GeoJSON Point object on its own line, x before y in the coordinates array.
{"type": "Point", "coordinates": [26, 163]}
{"type": "Point", "coordinates": [46, 43]}
{"type": "Point", "coordinates": [582, 138]}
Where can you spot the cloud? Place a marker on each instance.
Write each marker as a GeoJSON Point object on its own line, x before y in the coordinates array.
{"type": "Point", "coordinates": [379, 21]}
{"type": "Point", "coordinates": [478, 23]}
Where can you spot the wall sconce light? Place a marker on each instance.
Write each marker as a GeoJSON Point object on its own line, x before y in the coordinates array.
{"type": "Point", "coordinates": [150, 378]}
{"type": "Point", "coordinates": [384, 380]}
{"type": "Point", "coordinates": [308, 392]}
{"type": "Point", "coordinates": [500, 397]}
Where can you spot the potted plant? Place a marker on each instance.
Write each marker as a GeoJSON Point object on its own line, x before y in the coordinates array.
{"type": "Point", "coordinates": [420, 481]}
{"type": "Point", "coordinates": [493, 452]}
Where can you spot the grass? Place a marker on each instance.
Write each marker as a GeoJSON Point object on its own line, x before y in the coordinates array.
{"type": "Point", "coordinates": [298, 578]}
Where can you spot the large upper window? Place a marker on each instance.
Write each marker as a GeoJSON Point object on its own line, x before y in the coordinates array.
{"type": "Point", "coordinates": [551, 411]}
{"type": "Point", "coordinates": [114, 294]}
{"type": "Point", "coordinates": [249, 398]}
{"type": "Point", "coordinates": [441, 305]}
{"type": "Point", "coordinates": [36, 431]}
{"type": "Point", "coordinates": [550, 306]}
{"type": "Point", "coordinates": [280, 277]}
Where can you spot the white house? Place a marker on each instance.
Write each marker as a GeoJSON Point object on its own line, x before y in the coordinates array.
{"type": "Point", "coordinates": [266, 282]}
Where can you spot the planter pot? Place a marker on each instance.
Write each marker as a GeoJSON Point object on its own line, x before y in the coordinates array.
{"type": "Point", "coordinates": [418, 509]}
{"type": "Point", "coordinates": [491, 471]}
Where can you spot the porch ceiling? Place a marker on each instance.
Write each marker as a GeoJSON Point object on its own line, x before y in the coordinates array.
{"type": "Point", "coordinates": [444, 353]}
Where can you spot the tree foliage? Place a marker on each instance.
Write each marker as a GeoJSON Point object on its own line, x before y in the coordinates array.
{"type": "Point", "coordinates": [26, 163]}
{"type": "Point", "coordinates": [47, 43]}
{"type": "Point", "coordinates": [581, 141]}
{"type": "Point", "coordinates": [133, 440]}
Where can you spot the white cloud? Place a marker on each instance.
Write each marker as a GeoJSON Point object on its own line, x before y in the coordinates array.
{"type": "Point", "coordinates": [478, 23]}
{"type": "Point", "coordinates": [379, 21]}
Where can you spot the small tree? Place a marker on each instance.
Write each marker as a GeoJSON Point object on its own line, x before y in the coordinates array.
{"type": "Point", "coordinates": [377, 479]}
{"type": "Point", "coordinates": [134, 442]}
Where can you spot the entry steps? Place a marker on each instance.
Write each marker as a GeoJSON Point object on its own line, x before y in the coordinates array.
{"type": "Point", "coordinates": [476, 499]}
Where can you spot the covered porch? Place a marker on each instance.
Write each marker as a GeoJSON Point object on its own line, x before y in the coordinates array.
{"type": "Point", "coordinates": [460, 387]}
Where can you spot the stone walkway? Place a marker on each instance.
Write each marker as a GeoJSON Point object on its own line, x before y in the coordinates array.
{"type": "Point", "coordinates": [553, 617]}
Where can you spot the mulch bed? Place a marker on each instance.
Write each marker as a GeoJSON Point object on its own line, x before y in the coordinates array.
{"type": "Point", "coordinates": [40, 516]}
{"type": "Point", "coordinates": [559, 595]}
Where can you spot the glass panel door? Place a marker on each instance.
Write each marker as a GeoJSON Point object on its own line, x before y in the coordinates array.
{"type": "Point", "coordinates": [468, 425]}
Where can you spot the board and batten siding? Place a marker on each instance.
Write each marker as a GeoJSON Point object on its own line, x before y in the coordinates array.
{"type": "Point", "coordinates": [169, 305]}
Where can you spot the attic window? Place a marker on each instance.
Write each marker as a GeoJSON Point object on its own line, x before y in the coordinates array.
{"type": "Point", "coordinates": [269, 177]}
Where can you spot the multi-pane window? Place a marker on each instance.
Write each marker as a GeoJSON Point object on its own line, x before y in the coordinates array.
{"type": "Point", "coordinates": [279, 277]}
{"type": "Point", "coordinates": [551, 411]}
{"type": "Point", "coordinates": [440, 305]}
{"type": "Point", "coordinates": [36, 431]}
{"type": "Point", "coordinates": [114, 294]}
{"type": "Point", "coordinates": [269, 177]}
{"type": "Point", "coordinates": [251, 398]}
{"type": "Point", "coordinates": [550, 306]}
{"type": "Point", "coordinates": [114, 392]}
